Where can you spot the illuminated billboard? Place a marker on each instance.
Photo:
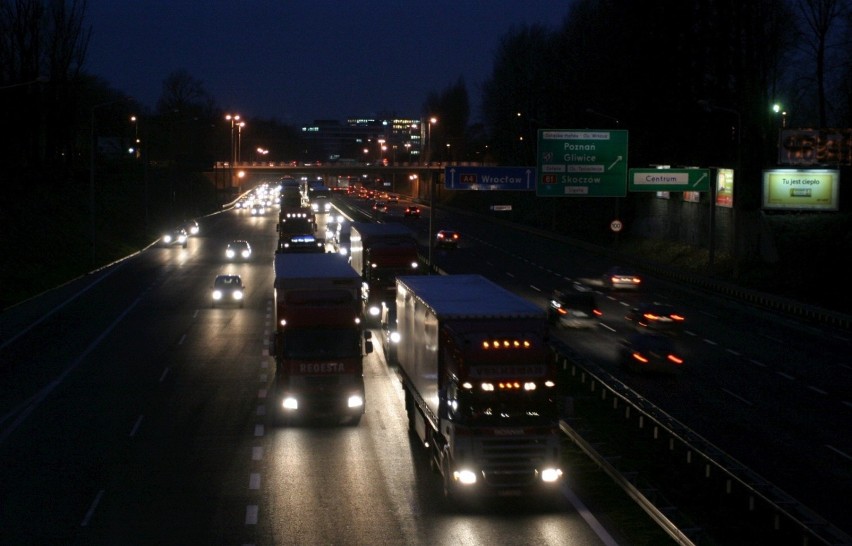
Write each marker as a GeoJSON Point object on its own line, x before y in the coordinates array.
{"type": "Point", "coordinates": [801, 189]}
{"type": "Point", "coordinates": [725, 188]}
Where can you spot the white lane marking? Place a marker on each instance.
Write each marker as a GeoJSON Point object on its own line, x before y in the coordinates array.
{"type": "Point", "coordinates": [261, 393]}
{"type": "Point", "coordinates": [92, 508]}
{"type": "Point", "coordinates": [251, 514]}
{"type": "Point", "coordinates": [164, 374]}
{"type": "Point", "coordinates": [785, 375]}
{"type": "Point", "coordinates": [841, 453]}
{"type": "Point", "coordinates": [264, 364]}
{"type": "Point", "coordinates": [508, 274]}
{"type": "Point", "coordinates": [136, 426]}
{"type": "Point", "coordinates": [254, 480]}
{"type": "Point", "coordinates": [738, 397]}
{"type": "Point", "coordinates": [257, 453]}
{"type": "Point", "coordinates": [182, 339]}
{"type": "Point", "coordinates": [537, 289]}
{"type": "Point", "coordinates": [589, 517]}
{"type": "Point", "coordinates": [258, 430]}
{"type": "Point", "coordinates": [263, 378]}
{"type": "Point", "coordinates": [261, 410]}
{"type": "Point", "coordinates": [39, 398]}
{"type": "Point", "coordinates": [817, 389]}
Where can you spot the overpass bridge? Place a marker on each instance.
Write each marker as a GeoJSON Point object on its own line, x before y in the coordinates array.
{"type": "Point", "coordinates": [411, 179]}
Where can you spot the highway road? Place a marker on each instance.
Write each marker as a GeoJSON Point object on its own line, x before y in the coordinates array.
{"type": "Point", "coordinates": [773, 392]}
{"type": "Point", "coordinates": [132, 412]}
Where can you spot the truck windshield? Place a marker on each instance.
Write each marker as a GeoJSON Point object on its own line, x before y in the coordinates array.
{"type": "Point", "coordinates": [504, 409]}
{"type": "Point", "coordinates": [317, 344]}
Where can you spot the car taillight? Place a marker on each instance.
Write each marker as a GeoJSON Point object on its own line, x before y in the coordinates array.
{"type": "Point", "coordinates": [677, 360]}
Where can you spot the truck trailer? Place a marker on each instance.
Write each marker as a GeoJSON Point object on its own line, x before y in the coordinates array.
{"type": "Point", "coordinates": [379, 253]}
{"type": "Point", "coordinates": [480, 385]}
{"type": "Point", "coordinates": [319, 340]}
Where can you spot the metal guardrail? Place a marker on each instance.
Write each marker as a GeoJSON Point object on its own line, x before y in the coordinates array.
{"type": "Point", "coordinates": [787, 512]}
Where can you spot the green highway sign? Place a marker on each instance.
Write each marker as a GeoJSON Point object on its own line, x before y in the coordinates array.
{"type": "Point", "coordinates": [581, 163]}
{"type": "Point", "coordinates": [669, 180]}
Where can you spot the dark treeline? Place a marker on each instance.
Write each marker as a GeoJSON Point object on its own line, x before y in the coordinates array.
{"type": "Point", "coordinates": [692, 80]}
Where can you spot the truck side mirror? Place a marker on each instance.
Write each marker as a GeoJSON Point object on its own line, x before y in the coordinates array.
{"type": "Point", "coordinates": [368, 334]}
{"type": "Point", "coordinates": [368, 347]}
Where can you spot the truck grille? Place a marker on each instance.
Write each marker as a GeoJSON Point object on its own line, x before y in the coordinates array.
{"type": "Point", "coordinates": [512, 462]}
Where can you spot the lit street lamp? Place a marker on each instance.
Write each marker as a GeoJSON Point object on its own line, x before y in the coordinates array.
{"type": "Point", "coordinates": [432, 121]}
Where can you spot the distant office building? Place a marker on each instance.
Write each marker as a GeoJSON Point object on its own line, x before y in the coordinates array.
{"type": "Point", "coordinates": [364, 140]}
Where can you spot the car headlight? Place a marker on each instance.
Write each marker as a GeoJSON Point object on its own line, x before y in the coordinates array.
{"type": "Point", "coordinates": [374, 311]}
{"type": "Point", "coordinates": [238, 294]}
{"type": "Point", "coordinates": [246, 253]}
{"type": "Point", "coordinates": [167, 238]}
{"type": "Point", "coordinates": [229, 253]}
{"type": "Point", "coordinates": [394, 337]}
{"type": "Point", "coordinates": [217, 294]}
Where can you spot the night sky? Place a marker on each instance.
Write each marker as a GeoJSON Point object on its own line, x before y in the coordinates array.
{"type": "Point", "coordinates": [297, 61]}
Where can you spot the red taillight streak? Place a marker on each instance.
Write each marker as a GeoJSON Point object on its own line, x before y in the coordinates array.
{"type": "Point", "coordinates": [640, 358]}
{"type": "Point", "coordinates": [675, 359]}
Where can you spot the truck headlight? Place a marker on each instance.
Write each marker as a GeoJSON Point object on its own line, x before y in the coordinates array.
{"type": "Point", "coordinates": [465, 476]}
{"type": "Point", "coordinates": [394, 337]}
{"type": "Point", "coordinates": [355, 401]}
{"type": "Point", "coordinates": [549, 475]}
{"type": "Point", "coordinates": [290, 403]}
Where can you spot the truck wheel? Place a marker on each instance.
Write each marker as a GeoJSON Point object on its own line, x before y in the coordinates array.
{"type": "Point", "coordinates": [447, 481]}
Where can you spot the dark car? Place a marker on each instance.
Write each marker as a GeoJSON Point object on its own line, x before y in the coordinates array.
{"type": "Point", "coordinates": [390, 333]}
{"type": "Point", "coordinates": [228, 289]}
{"type": "Point", "coordinates": [380, 207]}
{"type": "Point", "coordinates": [573, 308]}
{"type": "Point", "coordinates": [175, 237]}
{"type": "Point", "coordinates": [447, 238]}
{"type": "Point", "coordinates": [191, 227]}
{"type": "Point", "coordinates": [659, 317]}
{"type": "Point", "coordinates": [412, 211]}
{"type": "Point", "coordinates": [238, 250]}
{"type": "Point", "coordinates": [650, 352]}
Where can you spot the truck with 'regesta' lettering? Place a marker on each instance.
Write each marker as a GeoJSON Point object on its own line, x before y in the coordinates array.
{"type": "Point", "coordinates": [319, 339]}
{"type": "Point", "coordinates": [479, 381]}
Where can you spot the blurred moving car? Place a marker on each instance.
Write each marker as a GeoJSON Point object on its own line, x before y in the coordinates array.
{"type": "Point", "coordinates": [412, 211]}
{"type": "Point", "coordinates": [650, 352]}
{"type": "Point", "coordinates": [380, 207]}
{"type": "Point", "coordinates": [238, 250]}
{"type": "Point", "coordinates": [659, 317]}
{"type": "Point", "coordinates": [191, 227]}
{"type": "Point", "coordinates": [573, 307]}
{"type": "Point", "coordinates": [393, 199]}
{"type": "Point", "coordinates": [447, 238]}
{"type": "Point", "coordinates": [619, 278]}
{"type": "Point", "coordinates": [258, 209]}
{"type": "Point", "coordinates": [177, 236]}
{"type": "Point", "coordinates": [228, 289]}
